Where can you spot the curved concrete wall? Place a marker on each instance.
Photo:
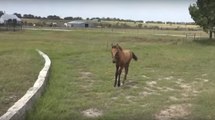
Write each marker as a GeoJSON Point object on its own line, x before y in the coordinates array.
{"type": "Point", "coordinates": [18, 110]}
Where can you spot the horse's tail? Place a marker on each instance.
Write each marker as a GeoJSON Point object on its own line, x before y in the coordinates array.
{"type": "Point", "coordinates": [134, 56]}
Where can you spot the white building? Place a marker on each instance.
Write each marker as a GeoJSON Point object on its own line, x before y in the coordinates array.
{"type": "Point", "coordinates": [4, 18]}
{"type": "Point", "coordinates": [80, 24]}
{"type": "Point", "coordinates": [1, 21]}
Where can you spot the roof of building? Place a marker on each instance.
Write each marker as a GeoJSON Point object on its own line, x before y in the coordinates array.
{"type": "Point", "coordinates": [81, 21]}
{"type": "Point", "coordinates": [77, 22]}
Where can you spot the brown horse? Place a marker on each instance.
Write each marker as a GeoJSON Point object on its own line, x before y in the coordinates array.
{"type": "Point", "coordinates": [122, 59]}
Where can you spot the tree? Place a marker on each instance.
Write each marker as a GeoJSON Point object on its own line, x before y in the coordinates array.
{"type": "Point", "coordinates": [53, 17]}
{"type": "Point", "coordinates": [139, 25]}
{"type": "Point", "coordinates": [18, 15]}
{"type": "Point", "coordinates": [28, 16]}
{"type": "Point", "coordinates": [203, 13]}
{"type": "Point", "coordinates": [1, 13]}
{"type": "Point", "coordinates": [68, 18]}
{"type": "Point", "coordinates": [14, 24]}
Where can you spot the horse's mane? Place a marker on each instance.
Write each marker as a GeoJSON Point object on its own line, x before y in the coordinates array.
{"type": "Point", "coordinates": [117, 46]}
{"type": "Point", "coordinates": [120, 47]}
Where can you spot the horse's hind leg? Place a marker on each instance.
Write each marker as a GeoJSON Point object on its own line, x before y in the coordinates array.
{"type": "Point", "coordinates": [126, 72]}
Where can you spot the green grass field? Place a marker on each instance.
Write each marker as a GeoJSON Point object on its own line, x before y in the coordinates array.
{"type": "Point", "coordinates": [172, 79]}
{"type": "Point", "coordinates": [19, 64]}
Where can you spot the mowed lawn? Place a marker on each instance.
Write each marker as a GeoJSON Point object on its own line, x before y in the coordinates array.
{"type": "Point", "coordinates": [172, 79]}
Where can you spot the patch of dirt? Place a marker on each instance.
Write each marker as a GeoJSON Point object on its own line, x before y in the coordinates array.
{"type": "Point", "coordinates": [87, 86]}
{"type": "Point", "coordinates": [179, 81]}
{"type": "Point", "coordinates": [186, 87]}
{"type": "Point", "coordinates": [129, 98]}
{"type": "Point", "coordinates": [166, 78]}
{"type": "Point", "coordinates": [85, 75]}
{"type": "Point", "coordinates": [145, 105]}
{"type": "Point", "coordinates": [165, 89]}
{"type": "Point", "coordinates": [186, 92]}
{"type": "Point", "coordinates": [174, 112]}
{"type": "Point", "coordinates": [130, 84]}
{"type": "Point", "coordinates": [92, 113]}
{"type": "Point", "coordinates": [114, 98]}
{"type": "Point", "coordinates": [173, 98]}
{"type": "Point", "coordinates": [149, 89]}
{"type": "Point", "coordinates": [151, 83]}
{"type": "Point", "coordinates": [146, 77]}
{"type": "Point", "coordinates": [203, 75]}
{"type": "Point", "coordinates": [205, 80]}
{"type": "Point", "coordinates": [145, 93]}
{"type": "Point", "coordinates": [202, 79]}
{"type": "Point", "coordinates": [169, 78]}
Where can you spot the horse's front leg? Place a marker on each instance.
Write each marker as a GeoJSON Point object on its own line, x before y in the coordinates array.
{"type": "Point", "coordinates": [116, 75]}
{"type": "Point", "coordinates": [119, 74]}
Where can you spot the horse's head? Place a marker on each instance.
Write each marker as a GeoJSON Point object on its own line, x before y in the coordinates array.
{"type": "Point", "coordinates": [115, 52]}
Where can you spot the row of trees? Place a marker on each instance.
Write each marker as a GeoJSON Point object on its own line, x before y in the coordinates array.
{"type": "Point", "coordinates": [169, 22]}
{"type": "Point", "coordinates": [55, 17]}
{"type": "Point", "coordinates": [125, 25]}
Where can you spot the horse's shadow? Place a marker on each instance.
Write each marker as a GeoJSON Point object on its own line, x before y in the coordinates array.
{"type": "Point", "coordinates": [130, 84]}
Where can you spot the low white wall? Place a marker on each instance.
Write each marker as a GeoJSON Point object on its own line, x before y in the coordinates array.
{"type": "Point", "coordinates": [19, 109]}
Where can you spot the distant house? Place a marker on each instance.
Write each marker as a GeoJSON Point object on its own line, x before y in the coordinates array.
{"type": "Point", "coordinates": [80, 24]}
{"type": "Point", "coordinates": [10, 22]}
{"type": "Point", "coordinates": [7, 17]}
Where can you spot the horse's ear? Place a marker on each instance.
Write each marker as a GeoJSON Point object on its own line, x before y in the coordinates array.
{"type": "Point", "coordinates": [119, 47]}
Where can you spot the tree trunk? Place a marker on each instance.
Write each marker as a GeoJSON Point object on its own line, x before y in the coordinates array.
{"type": "Point", "coordinates": [210, 34]}
{"type": "Point", "coordinates": [214, 34]}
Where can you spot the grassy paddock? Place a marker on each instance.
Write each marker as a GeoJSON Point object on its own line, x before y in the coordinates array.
{"type": "Point", "coordinates": [19, 68]}
{"type": "Point", "coordinates": [173, 77]}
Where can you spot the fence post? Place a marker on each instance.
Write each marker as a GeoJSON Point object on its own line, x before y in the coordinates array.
{"type": "Point", "coordinates": [194, 36]}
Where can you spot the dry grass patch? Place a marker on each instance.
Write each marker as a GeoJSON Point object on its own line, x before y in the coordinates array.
{"type": "Point", "coordinates": [174, 112]}
{"type": "Point", "coordinates": [92, 113]}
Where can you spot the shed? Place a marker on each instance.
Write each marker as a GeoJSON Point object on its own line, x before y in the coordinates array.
{"type": "Point", "coordinates": [80, 24]}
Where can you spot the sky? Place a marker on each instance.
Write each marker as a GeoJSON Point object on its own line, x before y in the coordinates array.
{"type": "Point", "coordinates": [146, 10]}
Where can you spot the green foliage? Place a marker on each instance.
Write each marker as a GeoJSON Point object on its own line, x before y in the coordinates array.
{"type": "Point", "coordinates": [203, 13]}
{"type": "Point", "coordinates": [1, 13]}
